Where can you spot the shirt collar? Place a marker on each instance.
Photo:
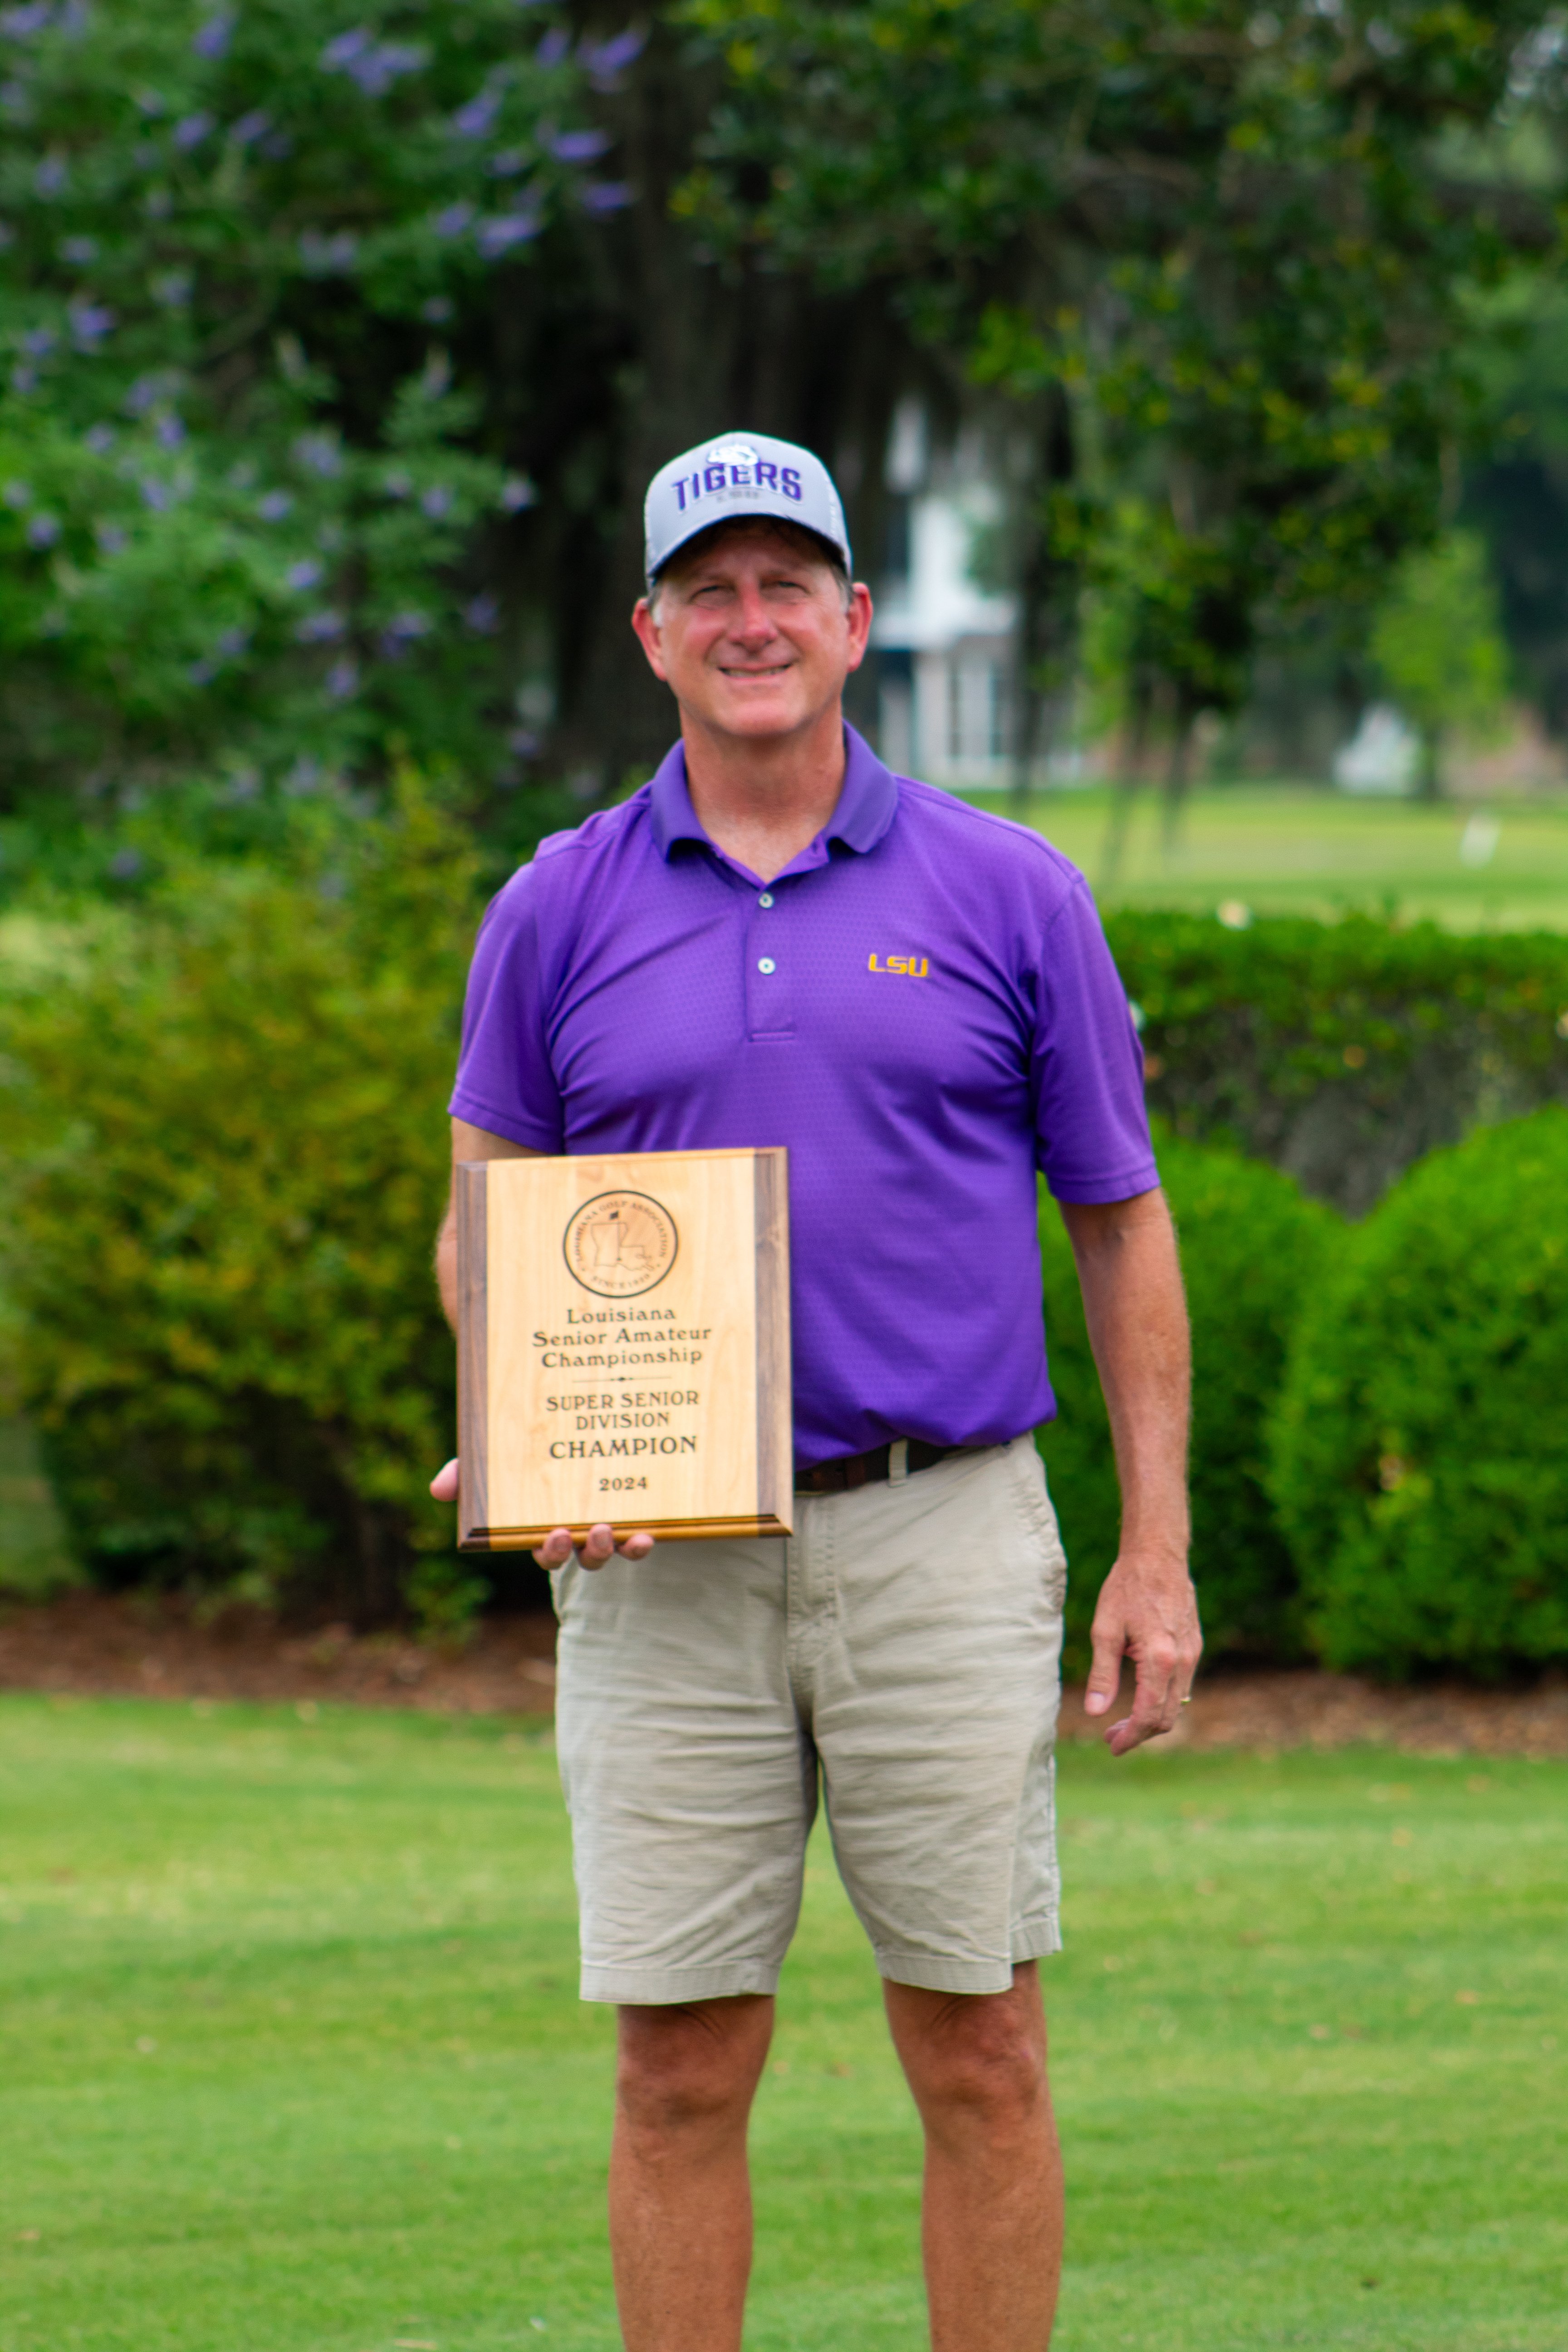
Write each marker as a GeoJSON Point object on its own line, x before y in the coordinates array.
{"type": "Point", "coordinates": [867, 804]}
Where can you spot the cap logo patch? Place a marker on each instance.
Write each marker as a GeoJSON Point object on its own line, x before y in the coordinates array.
{"type": "Point", "coordinates": [731, 452]}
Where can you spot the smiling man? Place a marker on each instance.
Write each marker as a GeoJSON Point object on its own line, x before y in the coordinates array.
{"type": "Point", "coordinates": [777, 941]}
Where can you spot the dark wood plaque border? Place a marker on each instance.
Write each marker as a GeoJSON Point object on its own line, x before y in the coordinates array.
{"type": "Point", "coordinates": [776, 1449]}
{"type": "Point", "coordinates": [775, 1455]}
{"type": "Point", "coordinates": [473, 1356]}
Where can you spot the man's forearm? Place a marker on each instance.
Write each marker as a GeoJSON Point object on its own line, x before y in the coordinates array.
{"type": "Point", "coordinates": [1137, 1317]}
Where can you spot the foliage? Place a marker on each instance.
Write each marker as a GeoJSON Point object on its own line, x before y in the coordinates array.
{"type": "Point", "coordinates": [1343, 1050]}
{"type": "Point", "coordinates": [1226, 253]}
{"type": "Point", "coordinates": [250, 518]}
{"type": "Point", "coordinates": [1436, 639]}
{"type": "Point", "coordinates": [1421, 1441]}
{"type": "Point", "coordinates": [291, 1986]}
{"type": "Point", "coordinates": [1252, 1248]}
{"type": "Point", "coordinates": [232, 1157]}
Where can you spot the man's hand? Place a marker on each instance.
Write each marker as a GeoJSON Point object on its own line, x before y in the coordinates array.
{"type": "Point", "coordinates": [1147, 1612]}
{"type": "Point", "coordinates": [598, 1545]}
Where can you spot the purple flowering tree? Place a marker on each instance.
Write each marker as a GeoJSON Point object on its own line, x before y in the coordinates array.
{"type": "Point", "coordinates": [259, 499]}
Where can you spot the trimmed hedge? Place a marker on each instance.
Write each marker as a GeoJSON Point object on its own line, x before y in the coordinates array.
{"type": "Point", "coordinates": [1420, 1445]}
{"type": "Point", "coordinates": [1252, 1249]}
{"type": "Point", "coordinates": [218, 1229]}
{"type": "Point", "coordinates": [1343, 1052]}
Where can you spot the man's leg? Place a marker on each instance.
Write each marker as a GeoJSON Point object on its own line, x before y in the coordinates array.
{"type": "Point", "coordinates": [992, 2208]}
{"type": "Point", "coordinates": [681, 2196]}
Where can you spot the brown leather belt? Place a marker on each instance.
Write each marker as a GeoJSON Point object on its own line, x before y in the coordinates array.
{"type": "Point", "coordinates": [863, 1469]}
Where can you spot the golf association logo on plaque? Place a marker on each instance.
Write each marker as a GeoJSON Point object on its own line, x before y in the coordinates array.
{"type": "Point", "coordinates": [624, 1346]}
{"type": "Point", "coordinates": [621, 1244]}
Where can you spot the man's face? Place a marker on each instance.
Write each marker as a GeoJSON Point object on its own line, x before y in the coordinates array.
{"type": "Point", "coordinates": [754, 636]}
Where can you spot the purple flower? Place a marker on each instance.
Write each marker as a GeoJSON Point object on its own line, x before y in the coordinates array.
{"type": "Point", "coordinates": [453, 220]}
{"type": "Point", "coordinates": [110, 537]}
{"type": "Point", "coordinates": [507, 163]}
{"type": "Point", "coordinates": [436, 501]}
{"type": "Point", "coordinates": [320, 453]}
{"type": "Point", "coordinates": [517, 492]}
{"type": "Point", "coordinates": [17, 98]}
{"type": "Point", "coordinates": [17, 494]}
{"type": "Point", "coordinates": [171, 288]}
{"type": "Point", "coordinates": [605, 195]}
{"type": "Point", "coordinates": [343, 679]}
{"type": "Point", "coordinates": [555, 48]}
{"type": "Point", "coordinates": [605, 61]}
{"type": "Point", "coordinates": [22, 22]}
{"type": "Point", "coordinates": [474, 120]}
{"type": "Point", "coordinates": [100, 440]}
{"type": "Point", "coordinates": [233, 642]}
{"type": "Point", "coordinates": [191, 129]}
{"type": "Point", "coordinates": [497, 236]}
{"type": "Point", "coordinates": [319, 628]}
{"type": "Point", "coordinates": [170, 431]}
{"type": "Point", "coordinates": [202, 673]}
{"type": "Point", "coordinates": [39, 341]}
{"type": "Point", "coordinates": [524, 741]}
{"type": "Point", "coordinates": [409, 626]}
{"type": "Point", "coordinates": [148, 102]}
{"type": "Point", "coordinates": [158, 495]}
{"type": "Point", "coordinates": [212, 39]}
{"type": "Point", "coordinates": [90, 322]}
{"type": "Point", "coordinates": [145, 394]}
{"type": "Point", "coordinates": [24, 379]}
{"type": "Point", "coordinates": [51, 175]}
{"type": "Point", "coordinates": [303, 776]}
{"type": "Point", "coordinates": [126, 864]}
{"type": "Point", "coordinates": [576, 146]}
{"type": "Point", "coordinates": [482, 616]}
{"type": "Point", "coordinates": [342, 51]}
{"type": "Point", "coordinates": [328, 256]}
{"type": "Point", "coordinates": [274, 506]}
{"type": "Point", "coordinates": [249, 126]}
{"type": "Point", "coordinates": [43, 531]}
{"type": "Point", "coordinates": [78, 250]}
{"type": "Point", "coordinates": [302, 575]}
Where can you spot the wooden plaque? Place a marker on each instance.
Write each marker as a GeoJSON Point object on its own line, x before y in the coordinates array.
{"type": "Point", "coordinates": [623, 1346]}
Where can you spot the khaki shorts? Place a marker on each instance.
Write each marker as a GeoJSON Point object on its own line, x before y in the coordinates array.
{"type": "Point", "coordinates": [903, 1647]}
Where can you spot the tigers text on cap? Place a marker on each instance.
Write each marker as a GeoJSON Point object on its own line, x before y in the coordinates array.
{"type": "Point", "coordinates": [739, 473]}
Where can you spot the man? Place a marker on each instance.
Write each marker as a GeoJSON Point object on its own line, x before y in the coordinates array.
{"type": "Point", "coordinates": [776, 941]}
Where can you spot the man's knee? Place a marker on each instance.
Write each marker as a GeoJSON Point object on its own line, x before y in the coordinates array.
{"type": "Point", "coordinates": [690, 2069]}
{"type": "Point", "coordinates": [978, 2057]}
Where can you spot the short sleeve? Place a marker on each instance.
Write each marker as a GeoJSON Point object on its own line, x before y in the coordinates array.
{"type": "Point", "coordinates": [1090, 1126]}
{"type": "Point", "coordinates": [505, 1083]}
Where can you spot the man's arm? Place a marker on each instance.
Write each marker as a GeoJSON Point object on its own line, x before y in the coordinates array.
{"type": "Point", "coordinates": [1137, 1315]}
{"type": "Point", "coordinates": [477, 1143]}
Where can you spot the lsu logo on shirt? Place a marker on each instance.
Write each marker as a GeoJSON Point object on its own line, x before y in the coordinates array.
{"type": "Point", "coordinates": [911, 967]}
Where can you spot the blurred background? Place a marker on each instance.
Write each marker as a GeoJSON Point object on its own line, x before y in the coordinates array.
{"type": "Point", "coordinates": [1197, 380]}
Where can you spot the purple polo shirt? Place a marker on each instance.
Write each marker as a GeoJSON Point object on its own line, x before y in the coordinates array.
{"type": "Point", "coordinates": [922, 1006]}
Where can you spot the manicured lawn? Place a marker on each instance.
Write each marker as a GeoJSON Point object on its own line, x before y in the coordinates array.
{"type": "Point", "coordinates": [1284, 850]}
{"type": "Point", "coordinates": [292, 2060]}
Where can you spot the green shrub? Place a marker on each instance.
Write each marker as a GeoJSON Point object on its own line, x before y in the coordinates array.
{"type": "Point", "coordinates": [1251, 1249]}
{"type": "Point", "coordinates": [1341, 1052]}
{"type": "Point", "coordinates": [1420, 1445]}
{"type": "Point", "coordinates": [233, 1157]}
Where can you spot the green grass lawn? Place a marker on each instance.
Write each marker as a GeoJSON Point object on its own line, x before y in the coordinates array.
{"type": "Point", "coordinates": [1285, 850]}
{"type": "Point", "coordinates": [293, 2062]}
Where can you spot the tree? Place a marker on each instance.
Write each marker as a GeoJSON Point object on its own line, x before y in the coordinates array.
{"type": "Point", "coordinates": [1438, 644]}
{"type": "Point", "coordinates": [1240, 243]}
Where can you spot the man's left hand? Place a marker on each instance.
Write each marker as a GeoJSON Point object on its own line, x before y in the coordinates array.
{"type": "Point", "coordinates": [1147, 1612]}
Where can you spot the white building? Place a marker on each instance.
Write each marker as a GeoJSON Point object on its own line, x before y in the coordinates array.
{"type": "Point", "coordinates": [943, 645]}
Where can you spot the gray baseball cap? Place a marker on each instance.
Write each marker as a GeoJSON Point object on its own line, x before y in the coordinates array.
{"type": "Point", "coordinates": [735, 477]}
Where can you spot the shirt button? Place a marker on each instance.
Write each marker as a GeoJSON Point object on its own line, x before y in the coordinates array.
{"type": "Point", "coordinates": [765, 963]}
{"type": "Point", "coordinates": [766, 899]}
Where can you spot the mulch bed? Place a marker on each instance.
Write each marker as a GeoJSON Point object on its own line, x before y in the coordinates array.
{"type": "Point", "coordinates": [99, 1645]}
